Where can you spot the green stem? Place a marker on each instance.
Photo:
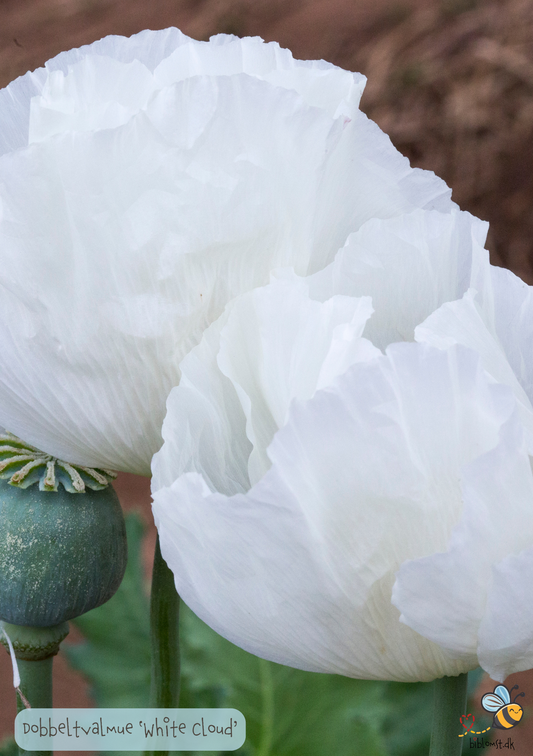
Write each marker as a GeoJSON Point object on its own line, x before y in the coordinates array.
{"type": "Point", "coordinates": [36, 685]}
{"type": "Point", "coordinates": [164, 628]}
{"type": "Point", "coordinates": [267, 719]}
{"type": "Point", "coordinates": [35, 648]}
{"type": "Point", "coordinates": [449, 704]}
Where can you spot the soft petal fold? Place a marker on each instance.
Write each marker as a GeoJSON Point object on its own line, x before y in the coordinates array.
{"type": "Point", "coordinates": [507, 305]}
{"type": "Point", "coordinates": [279, 345]}
{"type": "Point", "coordinates": [498, 328]}
{"type": "Point", "coordinates": [205, 430]}
{"type": "Point", "coordinates": [456, 598]}
{"type": "Point", "coordinates": [495, 318]}
{"type": "Point", "coordinates": [410, 265]}
{"type": "Point", "coordinates": [505, 638]}
{"type": "Point", "coordinates": [148, 48]}
{"type": "Point", "coordinates": [367, 178]}
{"type": "Point", "coordinates": [97, 93]}
{"type": "Point", "coordinates": [272, 345]}
{"type": "Point", "coordinates": [300, 568]}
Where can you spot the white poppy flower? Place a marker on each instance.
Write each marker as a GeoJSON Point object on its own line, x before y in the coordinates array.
{"type": "Point", "coordinates": [301, 468]}
{"type": "Point", "coordinates": [145, 183]}
{"type": "Point", "coordinates": [367, 515]}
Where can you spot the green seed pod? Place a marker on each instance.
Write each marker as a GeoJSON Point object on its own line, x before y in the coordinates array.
{"type": "Point", "coordinates": [61, 553]}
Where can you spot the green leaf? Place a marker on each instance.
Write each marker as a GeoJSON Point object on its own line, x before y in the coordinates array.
{"type": "Point", "coordinates": [288, 712]}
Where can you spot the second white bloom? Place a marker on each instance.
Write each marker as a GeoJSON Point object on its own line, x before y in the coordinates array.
{"type": "Point", "coordinates": [302, 468]}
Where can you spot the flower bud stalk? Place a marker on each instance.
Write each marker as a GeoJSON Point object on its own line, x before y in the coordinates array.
{"type": "Point", "coordinates": [36, 686]}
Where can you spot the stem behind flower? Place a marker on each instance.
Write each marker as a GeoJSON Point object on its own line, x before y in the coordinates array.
{"type": "Point", "coordinates": [267, 720]}
{"type": "Point", "coordinates": [164, 630]}
{"type": "Point", "coordinates": [449, 704]}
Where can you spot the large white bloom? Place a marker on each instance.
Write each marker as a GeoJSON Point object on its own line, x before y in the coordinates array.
{"type": "Point", "coordinates": [302, 468]}
{"type": "Point", "coordinates": [145, 183]}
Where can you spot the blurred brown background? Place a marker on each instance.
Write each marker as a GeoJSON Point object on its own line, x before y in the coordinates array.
{"type": "Point", "coordinates": [451, 82]}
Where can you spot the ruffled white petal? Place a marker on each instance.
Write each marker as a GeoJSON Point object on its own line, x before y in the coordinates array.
{"type": "Point", "coordinates": [205, 429]}
{"type": "Point", "coordinates": [279, 345]}
{"type": "Point", "coordinates": [507, 305]}
{"type": "Point", "coordinates": [456, 598]}
{"type": "Point", "coordinates": [410, 265]}
{"type": "Point", "coordinates": [496, 319]}
{"type": "Point", "coordinates": [497, 335]}
{"type": "Point", "coordinates": [148, 48]}
{"type": "Point", "coordinates": [103, 84]}
{"type": "Point", "coordinates": [96, 93]}
{"type": "Point", "coordinates": [271, 346]}
{"type": "Point", "coordinates": [321, 84]}
{"type": "Point", "coordinates": [300, 568]}
{"type": "Point", "coordinates": [505, 636]}
{"type": "Point", "coordinates": [366, 178]}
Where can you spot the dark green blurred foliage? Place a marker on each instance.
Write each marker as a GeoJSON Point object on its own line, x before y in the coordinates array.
{"type": "Point", "coordinates": [8, 747]}
{"type": "Point", "coordinates": [288, 712]}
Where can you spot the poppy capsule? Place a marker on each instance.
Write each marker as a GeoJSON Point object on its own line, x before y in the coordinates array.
{"type": "Point", "coordinates": [61, 553]}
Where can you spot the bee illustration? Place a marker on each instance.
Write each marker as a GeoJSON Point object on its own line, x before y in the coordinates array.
{"type": "Point", "coordinates": [507, 713]}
